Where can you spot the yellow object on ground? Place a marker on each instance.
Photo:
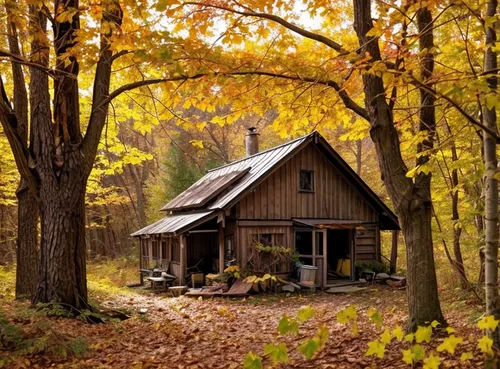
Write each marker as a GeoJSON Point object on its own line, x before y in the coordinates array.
{"type": "Point", "coordinates": [344, 267]}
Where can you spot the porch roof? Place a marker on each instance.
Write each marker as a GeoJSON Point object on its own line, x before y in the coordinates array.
{"type": "Point", "coordinates": [176, 224]}
{"type": "Point", "coordinates": [329, 223]}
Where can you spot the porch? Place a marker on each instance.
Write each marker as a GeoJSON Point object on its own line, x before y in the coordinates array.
{"type": "Point", "coordinates": [197, 250]}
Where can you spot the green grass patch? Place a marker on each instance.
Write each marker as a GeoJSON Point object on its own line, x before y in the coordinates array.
{"type": "Point", "coordinates": [8, 281]}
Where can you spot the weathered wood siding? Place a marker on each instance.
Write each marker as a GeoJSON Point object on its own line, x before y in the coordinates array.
{"type": "Point", "coordinates": [367, 243]}
{"type": "Point", "coordinates": [279, 196]}
{"type": "Point", "coordinates": [244, 237]}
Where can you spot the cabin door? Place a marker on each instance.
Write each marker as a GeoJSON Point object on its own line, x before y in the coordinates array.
{"type": "Point", "coordinates": [311, 247]}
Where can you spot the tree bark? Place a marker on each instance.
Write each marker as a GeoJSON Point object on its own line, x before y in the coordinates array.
{"type": "Point", "coordinates": [491, 184]}
{"type": "Point", "coordinates": [27, 256]}
{"type": "Point", "coordinates": [412, 201]}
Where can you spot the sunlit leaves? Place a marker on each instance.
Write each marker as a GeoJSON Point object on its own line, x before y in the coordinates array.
{"type": "Point", "coordinates": [252, 361]}
{"type": "Point", "coordinates": [485, 344]}
{"type": "Point", "coordinates": [423, 334]}
{"type": "Point", "coordinates": [413, 354]}
{"type": "Point", "coordinates": [450, 343]}
{"type": "Point", "coordinates": [288, 325]}
{"type": "Point", "coordinates": [277, 353]}
{"type": "Point", "coordinates": [349, 315]}
{"type": "Point", "coordinates": [432, 362]}
{"type": "Point", "coordinates": [398, 333]}
{"type": "Point", "coordinates": [376, 348]}
{"type": "Point", "coordinates": [305, 313]}
{"type": "Point", "coordinates": [375, 317]}
{"type": "Point", "coordinates": [488, 323]}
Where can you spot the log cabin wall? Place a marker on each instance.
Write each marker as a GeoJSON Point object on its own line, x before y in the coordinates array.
{"type": "Point", "coordinates": [279, 196]}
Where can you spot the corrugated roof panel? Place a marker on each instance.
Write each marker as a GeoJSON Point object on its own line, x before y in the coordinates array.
{"type": "Point", "coordinates": [174, 223]}
{"type": "Point", "coordinates": [261, 164]}
{"type": "Point", "coordinates": [208, 187]}
{"type": "Point", "coordinates": [239, 175]}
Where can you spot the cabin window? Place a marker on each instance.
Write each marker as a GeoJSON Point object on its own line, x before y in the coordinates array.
{"type": "Point", "coordinates": [306, 180]}
{"type": "Point", "coordinates": [268, 239]}
{"type": "Point", "coordinates": [176, 250]}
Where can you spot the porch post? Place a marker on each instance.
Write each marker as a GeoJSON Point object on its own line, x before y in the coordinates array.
{"type": "Point", "coordinates": [221, 249]}
{"type": "Point", "coordinates": [394, 251]}
{"type": "Point", "coordinates": [150, 251]}
{"type": "Point", "coordinates": [141, 277]}
{"type": "Point", "coordinates": [182, 242]}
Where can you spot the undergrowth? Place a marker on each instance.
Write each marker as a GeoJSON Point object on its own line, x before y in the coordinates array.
{"type": "Point", "coordinates": [35, 338]}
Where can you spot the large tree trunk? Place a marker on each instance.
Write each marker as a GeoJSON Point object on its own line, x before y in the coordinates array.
{"type": "Point", "coordinates": [412, 201]}
{"type": "Point", "coordinates": [27, 255]}
{"type": "Point", "coordinates": [491, 185]}
{"type": "Point", "coordinates": [58, 162]}
{"type": "Point", "coordinates": [62, 275]}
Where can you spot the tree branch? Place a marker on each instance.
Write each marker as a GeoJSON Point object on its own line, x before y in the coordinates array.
{"type": "Point", "coordinates": [292, 27]}
{"type": "Point", "coordinates": [8, 120]}
{"type": "Point", "coordinates": [348, 102]}
{"type": "Point", "coordinates": [459, 109]}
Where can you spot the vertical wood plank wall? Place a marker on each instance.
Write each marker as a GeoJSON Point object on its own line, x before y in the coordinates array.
{"type": "Point", "coordinates": [278, 197]}
{"type": "Point", "coordinates": [366, 243]}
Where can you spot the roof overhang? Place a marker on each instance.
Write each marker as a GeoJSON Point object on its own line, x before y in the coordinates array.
{"type": "Point", "coordinates": [177, 224]}
{"type": "Point", "coordinates": [329, 223]}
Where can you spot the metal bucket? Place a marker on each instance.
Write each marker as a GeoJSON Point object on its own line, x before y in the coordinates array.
{"type": "Point", "coordinates": [308, 274]}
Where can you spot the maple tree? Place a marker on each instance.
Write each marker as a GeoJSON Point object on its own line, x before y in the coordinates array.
{"type": "Point", "coordinates": [60, 156]}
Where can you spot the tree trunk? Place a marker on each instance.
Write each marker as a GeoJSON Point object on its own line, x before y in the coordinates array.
{"type": "Point", "coordinates": [412, 201]}
{"type": "Point", "coordinates": [62, 274]}
{"type": "Point", "coordinates": [28, 258]}
{"type": "Point", "coordinates": [27, 255]}
{"type": "Point", "coordinates": [491, 184]}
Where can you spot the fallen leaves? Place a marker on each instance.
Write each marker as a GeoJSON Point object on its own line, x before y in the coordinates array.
{"type": "Point", "coordinates": [219, 333]}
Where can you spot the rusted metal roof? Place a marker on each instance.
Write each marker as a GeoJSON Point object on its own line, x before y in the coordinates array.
{"type": "Point", "coordinates": [201, 192]}
{"type": "Point", "coordinates": [260, 164]}
{"type": "Point", "coordinates": [245, 173]}
{"type": "Point", "coordinates": [176, 224]}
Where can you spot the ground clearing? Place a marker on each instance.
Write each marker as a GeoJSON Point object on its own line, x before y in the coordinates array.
{"type": "Point", "coordinates": [192, 333]}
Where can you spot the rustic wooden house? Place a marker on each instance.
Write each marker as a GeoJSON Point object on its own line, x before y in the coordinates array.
{"type": "Point", "coordinates": [300, 195]}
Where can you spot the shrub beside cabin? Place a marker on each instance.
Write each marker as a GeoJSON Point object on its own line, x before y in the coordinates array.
{"type": "Point", "coordinates": [300, 195]}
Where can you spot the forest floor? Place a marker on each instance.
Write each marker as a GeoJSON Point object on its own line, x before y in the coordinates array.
{"type": "Point", "coordinates": [217, 333]}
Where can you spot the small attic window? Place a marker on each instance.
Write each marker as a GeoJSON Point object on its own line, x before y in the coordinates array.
{"type": "Point", "coordinates": [306, 180]}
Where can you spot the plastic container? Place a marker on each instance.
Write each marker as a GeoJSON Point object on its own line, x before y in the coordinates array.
{"type": "Point", "coordinates": [308, 274]}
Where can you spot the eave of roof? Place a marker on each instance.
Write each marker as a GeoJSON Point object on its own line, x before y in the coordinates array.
{"type": "Point", "coordinates": [176, 224]}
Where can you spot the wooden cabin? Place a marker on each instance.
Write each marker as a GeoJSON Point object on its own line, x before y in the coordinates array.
{"type": "Point", "coordinates": [301, 195]}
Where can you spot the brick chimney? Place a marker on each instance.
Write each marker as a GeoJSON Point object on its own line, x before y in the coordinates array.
{"type": "Point", "coordinates": [252, 141]}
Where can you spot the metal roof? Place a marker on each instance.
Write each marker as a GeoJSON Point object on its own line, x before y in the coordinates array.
{"type": "Point", "coordinates": [224, 186]}
{"type": "Point", "coordinates": [176, 224]}
{"type": "Point", "coordinates": [201, 192]}
{"type": "Point", "coordinates": [252, 169]}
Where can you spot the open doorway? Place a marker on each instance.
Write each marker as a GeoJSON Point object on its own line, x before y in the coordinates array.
{"type": "Point", "coordinates": [339, 259]}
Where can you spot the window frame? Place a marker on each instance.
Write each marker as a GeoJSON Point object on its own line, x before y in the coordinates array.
{"type": "Point", "coordinates": [311, 173]}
